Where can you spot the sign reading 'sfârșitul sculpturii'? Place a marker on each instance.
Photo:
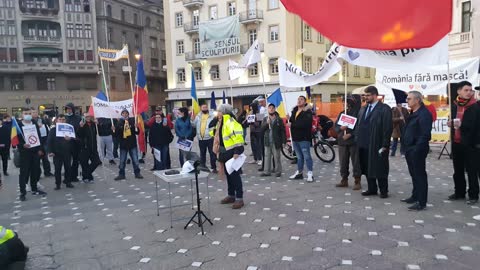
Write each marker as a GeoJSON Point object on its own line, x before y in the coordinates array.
{"type": "Point", "coordinates": [219, 37]}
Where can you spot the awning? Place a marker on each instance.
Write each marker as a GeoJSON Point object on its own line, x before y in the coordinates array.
{"type": "Point", "coordinates": [213, 69]}
{"type": "Point", "coordinates": [272, 61]}
{"type": "Point", "coordinates": [42, 50]}
{"type": "Point", "coordinates": [180, 70]}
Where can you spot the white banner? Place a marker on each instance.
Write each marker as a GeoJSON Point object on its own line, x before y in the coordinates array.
{"type": "Point", "coordinates": [431, 80]}
{"type": "Point", "coordinates": [111, 109]}
{"type": "Point", "coordinates": [397, 59]}
{"type": "Point", "coordinates": [235, 71]}
{"type": "Point", "coordinates": [113, 55]}
{"type": "Point", "coordinates": [293, 76]}
{"type": "Point", "coordinates": [219, 37]}
{"type": "Point", "coordinates": [252, 56]}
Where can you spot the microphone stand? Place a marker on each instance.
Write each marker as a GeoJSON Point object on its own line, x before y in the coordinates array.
{"type": "Point", "coordinates": [199, 213]}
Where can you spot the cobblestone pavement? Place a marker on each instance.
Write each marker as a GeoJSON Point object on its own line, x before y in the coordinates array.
{"type": "Point", "coordinates": [285, 224]}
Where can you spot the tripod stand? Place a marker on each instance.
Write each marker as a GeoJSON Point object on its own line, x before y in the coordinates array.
{"type": "Point", "coordinates": [199, 213]}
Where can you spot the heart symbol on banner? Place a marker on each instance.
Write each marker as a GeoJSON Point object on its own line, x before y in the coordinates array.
{"type": "Point", "coordinates": [353, 55]}
{"type": "Point", "coordinates": [424, 86]}
{"type": "Point", "coordinates": [411, 86]}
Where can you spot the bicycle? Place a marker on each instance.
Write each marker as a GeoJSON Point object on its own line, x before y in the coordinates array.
{"type": "Point", "coordinates": [323, 148]}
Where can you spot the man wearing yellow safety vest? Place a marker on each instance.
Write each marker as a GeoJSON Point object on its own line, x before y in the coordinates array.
{"type": "Point", "coordinates": [228, 143]}
{"type": "Point", "coordinates": [12, 248]}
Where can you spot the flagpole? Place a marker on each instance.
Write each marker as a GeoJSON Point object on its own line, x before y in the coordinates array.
{"type": "Point", "coordinates": [449, 98]}
{"type": "Point", "coordinates": [231, 92]}
{"type": "Point", "coordinates": [263, 79]}
{"type": "Point", "coordinates": [345, 77]}
{"type": "Point", "coordinates": [105, 82]}
{"type": "Point", "coordinates": [131, 85]}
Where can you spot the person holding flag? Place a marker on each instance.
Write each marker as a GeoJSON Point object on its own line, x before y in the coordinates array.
{"type": "Point", "coordinates": [140, 106]}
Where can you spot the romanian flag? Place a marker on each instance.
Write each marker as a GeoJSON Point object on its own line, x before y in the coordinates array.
{"type": "Point", "coordinates": [14, 133]}
{"type": "Point", "coordinates": [431, 108]}
{"type": "Point", "coordinates": [193, 93]}
{"type": "Point", "coordinates": [377, 24]}
{"type": "Point", "coordinates": [141, 132]}
{"type": "Point", "coordinates": [276, 99]}
{"type": "Point", "coordinates": [100, 95]}
{"type": "Point", "coordinates": [140, 97]}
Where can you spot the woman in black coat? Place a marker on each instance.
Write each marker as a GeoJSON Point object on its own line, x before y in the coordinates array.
{"type": "Point", "coordinates": [160, 137]}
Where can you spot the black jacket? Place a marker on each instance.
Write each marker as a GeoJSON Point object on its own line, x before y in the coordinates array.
{"type": "Point", "coordinates": [159, 135]}
{"type": "Point", "coordinates": [88, 136]}
{"type": "Point", "coordinates": [5, 132]}
{"type": "Point", "coordinates": [105, 126]}
{"type": "Point", "coordinates": [470, 127]}
{"type": "Point", "coordinates": [58, 145]}
{"type": "Point", "coordinates": [301, 125]}
{"type": "Point", "coordinates": [418, 131]}
{"type": "Point", "coordinates": [278, 128]}
{"type": "Point", "coordinates": [351, 140]}
{"type": "Point", "coordinates": [131, 141]}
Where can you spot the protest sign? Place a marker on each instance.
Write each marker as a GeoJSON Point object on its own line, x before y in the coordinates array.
{"type": "Point", "coordinates": [183, 144]}
{"type": "Point", "coordinates": [112, 109]}
{"type": "Point", "coordinates": [31, 136]}
{"type": "Point", "coordinates": [251, 118]}
{"type": "Point", "coordinates": [347, 120]}
{"type": "Point", "coordinates": [64, 129]}
{"type": "Point", "coordinates": [157, 154]}
{"type": "Point", "coordinates": [440, 129]}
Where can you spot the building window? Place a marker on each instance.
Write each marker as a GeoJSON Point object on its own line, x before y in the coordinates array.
{"type": "Point", "coordinates": [53, 32]}
{"type": "Point", "coordinates": [163, 54]}
{"type": "Point", "coordinates": [154, 62]}
{"type": "Point", "coordinates": [197, 72]}
{"type": "Point", "coordinates": [9, 3]}
{"type": "Point", "coordinates": [148, 22]}
{"type": "Point", "coordinates": [88, 30]}
{"type": "Point", "coordinates": [50, 83]}
{"type": "Point", "coordinates": [13, 54]}
{"type": "Point", "coordinates": [122, 15]}
{"type": "Point", "coordinates": [272, 4]}
{"type": "Point", "coordinates": [77, 6]}
{"type": "Point", "coordinates": [213, 11]}
{"type": "Point", "coordinates": [110, 34]}
{"type": "Point", "coordinates": [466, 14]}
{"type": "Point", "coordinates": [3, 55]}
{"type": "Point", "coordinates": [328, 45]}
{"type": "Point", "coordinates": [79, 30]}
{"type": "Point", "coordinates": [2, 27]}
{"type": "Point", "coordinates": [71, 55]}
{"type": "Point", "coordinates": [320, 38]}
{"type": "Point", "coordinates": [135, 18]}
{"type": "Point", "coordinates": [273, 66]}
{"type": "Point", "coordinates": [109, 11]}
{"type": "Point", "coordinates": [136, 41]}
{"type": "Point", "coordinates": [232, 8]}
{"type": "Point", "coordinates": [124, 37]}
{"type": "Point", "coordinates": [90, 55]}
{"type": "Point", "coordinates": [367, 72]}
{"type": "Point", "coordinates": [16, 83]}
{"type": "Point", "coordinates": [356, 71]}
{"type": "Point", "coordinates": [307, 64]}
{"type": "Point", "coordinates": [153, 42]}
{"type": "Point", "coordinates": [42, 31]}
{"type": "Point", "coordinates": [180, 47]}
{"type": "Point", "coordinates": [160, 26]}
{"type": "Point", "coordinates": [196, 46]}
{"type": "Point", "coordinates": [320, 62]}
{"type": "Point", "coordinates": [68, 5]}
{"type": "Point", "coordinates": [86, 6]}
{"type": "Point", "coordinates": [179, 19]}
{"type": "Point", "coordinates": [253, 70]}
{"type": "Point", "coordinates": [215, 72]}
{"type": "Point", "coordinates": [181, 75]}
{"type": "Point", "coordinates": [70, 32]}
{"type": "Point", "coordinates": [196, 17]}
{"type": "Point", "coordinates": [113, 85]}
{"type": "Point", "coordinates": [273, 30]}
{"type": "Point", "coordinates": [81, 55]}
{"type": "Point", "coordinates": [252, 36]}
{"type": "Point", "coordinates": [11, 28]}
{"type": "Point", "coordinates": [307, 32]}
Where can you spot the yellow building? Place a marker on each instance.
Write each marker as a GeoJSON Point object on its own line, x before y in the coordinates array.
{"type": "Point", "coordinates": [279, 33]}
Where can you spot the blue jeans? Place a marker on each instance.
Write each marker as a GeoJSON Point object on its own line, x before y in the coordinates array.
{"type": "Point", "coordinates": [302, 150]}
{"type": "Point", "coordinates": [164, 163]}
{"type": "Point", "coordinates": [123, 160]}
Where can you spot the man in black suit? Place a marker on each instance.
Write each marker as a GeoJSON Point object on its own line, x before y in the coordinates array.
{"type": "Point", "coordinates": [373, 139]}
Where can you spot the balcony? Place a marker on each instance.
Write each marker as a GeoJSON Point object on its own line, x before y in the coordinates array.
{"type": "Point", "coordinates": [190, 28]}
{"type": "Point", "coordinates": [192, 4]}
{"type": "Point", "coordinates": [460, 45]}
{"type": "Point", "coordinates": [15, 67]}
{"type": "Point", "coordinates": [39, 11]}
{"type": "Point", "coordinates": [38, 7]}
{"type": "Point", "coordinates": [244, 47]}
{"type": "Point", "coordinates": [254, 16]}
{"type": "Point", "coordinates": [192, 57]}
{"type": "Point", "coordinates": [39, 40]}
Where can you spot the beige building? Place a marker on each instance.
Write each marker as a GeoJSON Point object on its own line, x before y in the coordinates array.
{"type": "Point", "coordinates": [279, 33]}
{"type": "Point", "coordinates": [464, 40]}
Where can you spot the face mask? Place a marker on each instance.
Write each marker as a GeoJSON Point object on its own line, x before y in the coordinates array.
{"type": "Point", "coordinates": [125, 117]}
{"type": "Point", "coordinates": [271, 114]}
{"type": "Point", "coordinates": [158, 121]}
{"type": "Point", "coordinates": [27, 117]}
{"type": "Point", "coordinates": [69, 114]}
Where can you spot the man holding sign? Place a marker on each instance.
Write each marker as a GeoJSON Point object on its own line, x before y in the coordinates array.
{"type": "Point", "coordinates": [30, 150]}
{"type": "Point", "coordinates": [347, 147]}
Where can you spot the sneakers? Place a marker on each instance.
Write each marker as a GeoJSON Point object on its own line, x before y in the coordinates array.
{"type": "Point", "coordinates": [259, 163]}
{"type": "Point", "coordinates": [455, 197]}
{"type": "Point", "coordinates": [310, 176]}
{"type": "Point", "coordinates": [252, 162]}
{"type": "Point", "coordinates": [40, 186]}
{"type": "Point", "coordinates": [138, 176]}
{"type": "Point", "coordinates": [120, 177]}
{"type": "Point", "coordinates": [297, 175]}
{"type": "Point", "coordinates": [227, 200]}
{"type": "Point", "coordinates": [265, 174]}
{"type": "Point", "coordinates": [39, 193]}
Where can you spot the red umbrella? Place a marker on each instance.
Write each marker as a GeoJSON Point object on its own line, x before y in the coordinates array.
{"type": "Point", "coordinates": [377, 24]}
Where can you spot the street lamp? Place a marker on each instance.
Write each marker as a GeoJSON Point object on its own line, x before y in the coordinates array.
{"type": "Point", "coordinates": [137, 56]}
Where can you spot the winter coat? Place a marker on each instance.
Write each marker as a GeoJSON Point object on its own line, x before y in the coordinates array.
{"type": "Point", "coordinates": [301, 125]}
{"type": "Point", "coordinates": [131, 141]}
{"type": "Point", "coordinates": [198, 122]}
{"type": "Point", "coordinates": [278, 131]}
{"type": "Point", "coordinates": [88, 136]}
{"type": "Point", "coordinates": [5, 133]}
{"type": "Point", "coordinates": [58, 145]}
{"type": "Point", "coordinates": [379, 134]}
{"type": "Point", "coordinates": [160, 135]}
{"type": "Point", "coordinates": [183, 127]}
{"type": "Point", "coordinates": [398, 123]}
{"type": "Point", "coordinates": [418, 131]}
{"type": "Point", "coordinates": [105, 126]}
{"type": "Point", "coordinates": [351, 140]}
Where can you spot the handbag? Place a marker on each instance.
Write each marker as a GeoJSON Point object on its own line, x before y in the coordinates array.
{"type": "Point", "coordinates": [16, 157]}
